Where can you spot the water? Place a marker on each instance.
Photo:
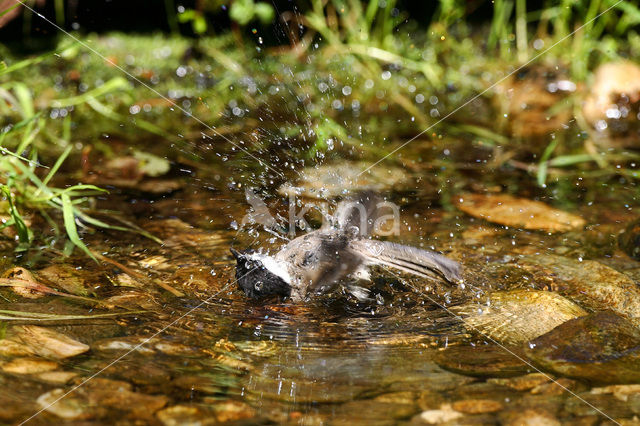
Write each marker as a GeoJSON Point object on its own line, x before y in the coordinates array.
{"type": "Point", "coordinates": [214, 354]}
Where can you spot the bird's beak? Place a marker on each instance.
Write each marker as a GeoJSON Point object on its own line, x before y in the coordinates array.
{"type": "Point", "coordinates": [235, 253]}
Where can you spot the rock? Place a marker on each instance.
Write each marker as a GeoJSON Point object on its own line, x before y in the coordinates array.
{"type": "Point", "coordinates": [477, 406]}
{"type": "Point", "coordinates": [482, 361]}
{"type": "Point", "coordinates": [397, 398]}
{"type": "Point", "coordinates": [48, 343]}
{"type": "Point", "coordinates": [481, 390]}
{"type": "Point", "coordinates": [557, 387]}
{"type": "Point", "coordinates": [369, 411]}
{"type": "Point", "coordinates": [232, 411]}
{"type": "Point", "coordinates": [608, 406]}
{"type": "Point", "coordinates": [430, 400]}
{"type": "Point", "coordinates": [622, 392]}
{"type": "Point", "coordinates": [15, 408]}
{"type": "Point", "coordinates": [110, 346]}
{"type": "Point", "coordinates": [444, 414]}
{"type": "Point", "coordinates": [10, 348]}
{"type": "Point", "coordinates": [593, 284]}
{"type": "Point", "coordinates": [204, 385]}
{"type": "Point", "coordinates": [612, 104]}
{"type": "Point", "coordinates": [518, 316]}
{"type": "Point", "coordinates": [142, 372]}
{"type": "Point", "coordinates": [175, 349]}
{"type": "Point", "coordinates": [530, 417]}
{"type": "Point", "coordinates": [56, 377]}
{"type": "Point", "coordinates": [523, 383]}
{"type": "Point", "coordinates": [99, 394]}
{"type": "Point", "coordinates": [28, 366]}
{"type": "Point", "coordinates": [629, 240]}
{"type": "Point", "coordinates": [517, 212]}
{"type": "Point", "coordinates": [184, 415]}
{"type": "Point", "coordinates": [601, 348]}
{"type": "Point", "coordinates": [69, 407]}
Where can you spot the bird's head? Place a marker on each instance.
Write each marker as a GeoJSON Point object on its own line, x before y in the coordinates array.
{"type": "Point", "coordinates": [260, 276]}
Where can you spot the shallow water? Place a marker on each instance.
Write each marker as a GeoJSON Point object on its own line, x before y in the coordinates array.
{"type": "Point", "coordinates": [211, 355]}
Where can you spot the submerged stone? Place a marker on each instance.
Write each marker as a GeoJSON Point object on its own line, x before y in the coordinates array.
{"type": "Point", "coordinates": [483, 361]}
{"type": "Point", "coordinates": [28, 366]}
{"type": "Point", "coordinates": [477, 406]}
{"type": "Point", "coordinates": [69, 408]}
{"type": "Point", "coordinates": [518, 316]}
{"type": "Point", "coordinates": [444, 414]}
{"type": "Point", "coordinates": [629, 240]}
{"type": "Point", "coordinates": [593, 284]}
{"type": "Point", "coordinates": [601, 348]}
{"type": "Point", "coordinates": [179, 415]}
{"type": "Point", "coordinates": [529, 417]}
{"type": "Point", "coordinates": [48, 343]}
{"type": "Point", "coordinates": [523, 383]}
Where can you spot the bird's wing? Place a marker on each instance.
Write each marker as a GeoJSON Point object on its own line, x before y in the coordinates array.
{"type": "Point", "coordinates": [413, 260]}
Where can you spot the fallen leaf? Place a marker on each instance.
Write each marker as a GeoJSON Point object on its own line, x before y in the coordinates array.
{"type": "Point", "coordinates": [518, 212]}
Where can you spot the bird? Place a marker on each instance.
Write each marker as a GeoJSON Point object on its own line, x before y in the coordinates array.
{"type": "Point", "coordinates": [316, 262]}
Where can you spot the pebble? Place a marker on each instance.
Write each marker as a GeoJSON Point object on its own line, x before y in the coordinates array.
{"type": "Point", "coordinates": [523, 383]}
{"type": "Point", "coordinates": [444, 414]}
{"type": "Point", "coordinates": [481, 361]}
{"type": "Point", "coordinates": [530, 417]}
{"type": "Point", "coordinates": [477, 406]}
{"type": "Point", "coordinates": [68, 408]}
{"type": "Point", "coordinates": [56, 377]}
{"type": "Point", "coordinates": [28, 366]}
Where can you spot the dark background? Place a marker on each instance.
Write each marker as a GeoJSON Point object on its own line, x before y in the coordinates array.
{"type": "Point", "coordinates": [143, 16]}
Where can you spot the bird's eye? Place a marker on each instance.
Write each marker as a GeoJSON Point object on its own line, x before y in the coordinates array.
{"type": "Point", "coordinates": [258, 286]}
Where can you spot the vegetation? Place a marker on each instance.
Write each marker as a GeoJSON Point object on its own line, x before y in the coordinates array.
{"type": "Point", "coordinates": [351, 78]}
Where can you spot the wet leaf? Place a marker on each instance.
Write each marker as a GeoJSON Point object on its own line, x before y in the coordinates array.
{"type": "Point", "coordinates": [518, 212]}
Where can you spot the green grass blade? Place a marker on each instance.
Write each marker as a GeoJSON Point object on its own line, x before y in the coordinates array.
{"type": "Point", "coordinates": [70, 225]}
{"type": "Point", "coordinates": [57, 165]}
{"type": "Point", "coordinates": [110, 86]}
{"type": "Point", "coordinates": [24, 233]}
{"type": "Point", "coordinates": [543, 165]}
